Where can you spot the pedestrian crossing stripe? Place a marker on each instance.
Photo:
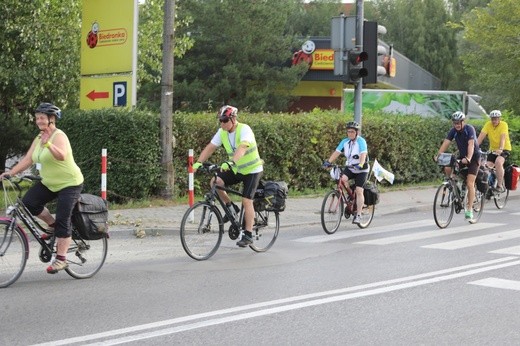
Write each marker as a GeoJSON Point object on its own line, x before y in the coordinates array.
{"type": "Point", "coordinates": [430, 234]}
{"type": "Point", "coordinates": [513, 250]}
{"type": "Point", "coordinates": [474, 241]}
{"type": "Point", "coordinates": [498, 283]}
{"type": "Point", "coordinates": [359, 232]}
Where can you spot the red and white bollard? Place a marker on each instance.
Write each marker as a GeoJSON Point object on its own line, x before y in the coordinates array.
{"type": "Point", "coordinates": [104, 174]}
{"type": "Point", "coordinates": [191, 192]}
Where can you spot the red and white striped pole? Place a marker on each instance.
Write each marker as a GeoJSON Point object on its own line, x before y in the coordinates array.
{"type": "Point", "coordinates": [191, 192]}
{"type": "Point", "coordinates": [104, 174]}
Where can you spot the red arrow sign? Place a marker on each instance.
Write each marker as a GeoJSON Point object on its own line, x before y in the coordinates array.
{"type": "Point", "coordinates": [93, 95]}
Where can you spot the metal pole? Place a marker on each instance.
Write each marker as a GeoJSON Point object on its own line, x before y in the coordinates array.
{"type": "Point", "coordinates": [359, 46]}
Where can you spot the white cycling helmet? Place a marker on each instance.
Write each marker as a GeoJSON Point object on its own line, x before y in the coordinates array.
{"type": "Point", "coordinates": [458, 116]}
{"type": "Point", "coordinates": [495, 114]}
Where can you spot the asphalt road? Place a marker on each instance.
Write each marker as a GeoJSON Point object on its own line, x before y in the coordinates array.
{"type": "Point", "coordinates": [400, 281]}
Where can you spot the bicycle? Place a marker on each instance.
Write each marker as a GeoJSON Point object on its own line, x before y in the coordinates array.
{"type": "Point", "coordinates": [499, 197]}
{"type": "Point", "coordinates": [340, 201]}
{"type": "Point", "coordinates": [202, 226]}
{"type": "Point", "coordinates": [451, 196]}
{"type": "Point", "coordinates": [85, 258]}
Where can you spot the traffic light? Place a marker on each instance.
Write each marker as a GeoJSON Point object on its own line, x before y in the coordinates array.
{"type": "Point", "coordinates": [356, 71]}
{"type": "Point", "coordinates": [374, 50]}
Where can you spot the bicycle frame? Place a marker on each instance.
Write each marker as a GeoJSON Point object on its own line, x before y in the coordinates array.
{"type": "Point", "coordinates": [19, 212]}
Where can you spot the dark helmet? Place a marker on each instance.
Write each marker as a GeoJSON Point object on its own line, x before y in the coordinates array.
{"type": "Point", "coordinates": [49, 109]}
{"type": "Point", "coordinates": [458, 116]}
{"type": "Point", "coordinates": [227, 112]}
{"type": "Point", "coordinates": [353, 125]}
{"type": "Point", "coordinates": [495, 114]}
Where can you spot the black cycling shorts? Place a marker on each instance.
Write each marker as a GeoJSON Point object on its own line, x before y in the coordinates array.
{"type": "Point", "coordinates": [250, 181]}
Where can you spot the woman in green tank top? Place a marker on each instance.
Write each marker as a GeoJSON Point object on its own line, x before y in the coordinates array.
{"type": "Point", "coordinates": [62, 180]}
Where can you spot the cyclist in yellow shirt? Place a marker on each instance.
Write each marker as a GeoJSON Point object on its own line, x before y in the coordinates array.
{"type": "Point", "coordinates": [497, 132]}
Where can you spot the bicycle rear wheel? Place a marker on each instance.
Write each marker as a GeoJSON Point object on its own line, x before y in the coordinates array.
{"type": "Point", "coordinates": [501, 199]}
{"type": "Point", "coordinates": [331, 212]}
{"type": "Point", "coordinates": [367, 214]}
{"type": "Point", "coordinates": [443, 207]}
{"type": "Point", "coordinates": [201, 231]}
{"type": "Point", "coordinates": [85, 257]}
{"type": "Point", "coordinates": [265, 230]}
{"type": "Point", "coordinates": [14, 251]}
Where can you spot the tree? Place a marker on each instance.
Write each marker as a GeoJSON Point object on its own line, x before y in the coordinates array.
{"type": "Point", "coordinates": [149, 71]}
{"type": "Point", "coordinates": [239, 56]}
{"type": "Point", "coordinates": [418, 29]}
{"type": "Point", "coordinates": [490, 54]}
{"type": "Point", "coordinates": [39, 61]}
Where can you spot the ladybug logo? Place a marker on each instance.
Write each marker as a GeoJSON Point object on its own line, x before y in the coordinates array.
{"type": "Point", "coordinates": [92, 36]}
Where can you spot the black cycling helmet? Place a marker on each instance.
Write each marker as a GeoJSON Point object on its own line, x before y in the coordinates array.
{"type": "Point", "coordinates": [227, 112]}
{"type": "Point", "coordinates": [49, 109]}
{"type": "Point", "coordinates": [458, 116]}
{"type": "Point", "coordinates": [353, 125]}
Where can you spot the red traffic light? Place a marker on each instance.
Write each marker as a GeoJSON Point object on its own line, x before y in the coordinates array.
{"type": "Point", "coordinates": [357, 57]}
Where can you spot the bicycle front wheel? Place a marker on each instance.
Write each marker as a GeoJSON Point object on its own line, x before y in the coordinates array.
{"type": "Point", "coordinates": [443, 207]}
{"type": "Point", "coordinates": [331, 212]}
{"type": "Point", "coordinates": [265, 230]}
{"type": "Point", "coordinates": [501, 199]}
{"type": "Point", "coordinates": [201, 231]}
{"type": "Point", "coordinates": [478, 205]}
{"type": "Point", "coordinates": [367, 214]}
{"type": "Point", "coordinates": [86, 257]}
{"type": "Point", "coordinates": [14, 251]}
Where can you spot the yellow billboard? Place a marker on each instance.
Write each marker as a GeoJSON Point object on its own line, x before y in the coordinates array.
{"type": "Point", "coordinates": [107, 36]}
{"type": "Point", "coordinates": [106, 91]}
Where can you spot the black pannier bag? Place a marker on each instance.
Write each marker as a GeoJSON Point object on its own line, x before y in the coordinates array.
{"type": "Point", "coordinates": [371, 193]}
{"type": "Point", "coordinates": [482, 180]}
{"type": "Point", "coordinates": [271, 196]}
{"type": "Point", "coordinates": [90, 216]}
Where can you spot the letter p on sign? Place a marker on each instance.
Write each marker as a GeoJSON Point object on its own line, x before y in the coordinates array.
{"type": "Point", "coordinates": [119, 94]}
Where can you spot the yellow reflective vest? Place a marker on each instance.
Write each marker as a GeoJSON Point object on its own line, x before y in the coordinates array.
{"type": "Point", "coordinates": [251, 159]}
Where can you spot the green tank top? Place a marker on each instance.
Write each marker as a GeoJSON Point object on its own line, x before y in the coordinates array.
{"type": "Point", "coordinates": [56, 175]}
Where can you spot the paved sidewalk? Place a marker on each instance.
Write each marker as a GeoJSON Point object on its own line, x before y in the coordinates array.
{"type": "Point", "coordinates": [299, 211]}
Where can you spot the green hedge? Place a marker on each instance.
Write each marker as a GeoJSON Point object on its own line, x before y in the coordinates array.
{"type": "Point", "coordinates": [132, 143]}
{"type": "Point", "coordinates": [293, 146]}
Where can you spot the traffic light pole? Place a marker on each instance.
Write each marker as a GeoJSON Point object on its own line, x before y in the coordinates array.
{"type": "Point", "coordinates": [359, 45]}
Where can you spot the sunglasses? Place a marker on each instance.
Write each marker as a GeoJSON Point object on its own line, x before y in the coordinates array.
{"type": "Point", "coordinates": [457, 122]}
{"type": "Point", "coordinates": [225, 121]}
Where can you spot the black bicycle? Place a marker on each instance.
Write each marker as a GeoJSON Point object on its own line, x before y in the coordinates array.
{"type": "Point", "coordinates": [84, 257]}
{"type": "Point", "coordinates": [451, 196]}
{"type": "Point", "coordinates": [499, 197]}
{"type": "Point", "coordinates": [202, 226]}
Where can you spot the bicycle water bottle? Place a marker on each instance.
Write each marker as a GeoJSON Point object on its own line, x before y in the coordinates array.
{"type": "Point", "coordinates": [492, 181]}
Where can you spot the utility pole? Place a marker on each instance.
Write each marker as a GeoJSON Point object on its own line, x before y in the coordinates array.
{"type": "Point", "coordinates": [166, 122]}
{"type": "Point", "coordinates": [358, 91]}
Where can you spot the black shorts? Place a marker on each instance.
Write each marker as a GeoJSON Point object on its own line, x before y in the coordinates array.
{"type": "Point", "coordinates": [250, 181]}
{"type": "Point", "coordinates": [39, 195]}
{"type": "Point", "coordinates": [359, 178]}
{"type": "Point", "coordinates": [493, 157]}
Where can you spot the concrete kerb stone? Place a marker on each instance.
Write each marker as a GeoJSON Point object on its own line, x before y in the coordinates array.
{"type": "Point", "coordinates": [159, 221]}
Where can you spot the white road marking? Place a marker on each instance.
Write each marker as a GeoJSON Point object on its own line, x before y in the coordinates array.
{"type": "Point", "coordinates": [474, 241]}
{"type": "Point", "coordinates": [430, 234]}
{"type": "Point", "coordinates": [357, 231]}
{"type": "Point", "coordinates": [498, 283]}
{"type": "Point", "coordinates": [281, 305]}
{"type": "Point", "coordinates": [513, 250]}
